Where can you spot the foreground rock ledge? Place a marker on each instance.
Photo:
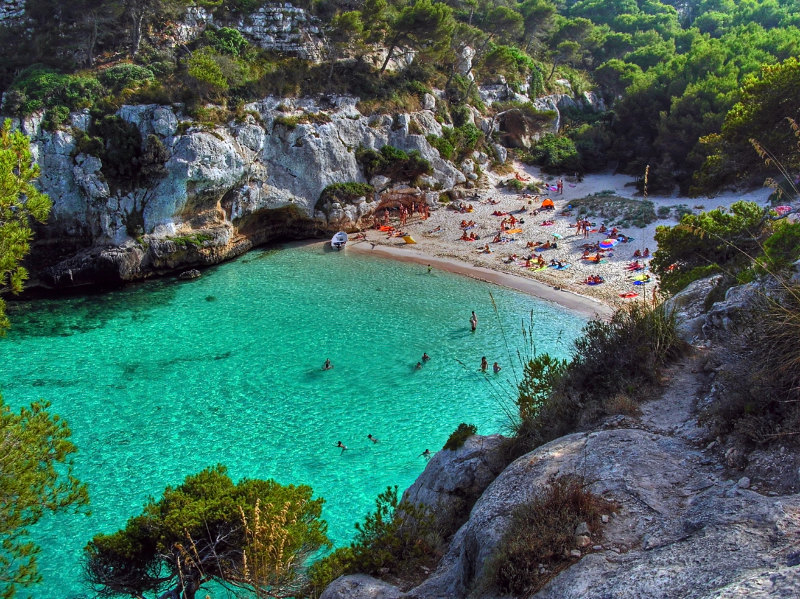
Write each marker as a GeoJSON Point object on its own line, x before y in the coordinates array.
{"type": "Point", "coordinates": [683, 527]}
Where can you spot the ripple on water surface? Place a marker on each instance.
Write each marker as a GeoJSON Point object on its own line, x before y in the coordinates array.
{"type": "Point", "coordinates": [164, 379]}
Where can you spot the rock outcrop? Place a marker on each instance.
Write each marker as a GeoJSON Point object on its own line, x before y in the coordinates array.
{"type": "Point", "coordinates": [685, 522]}
{"type": "Point", "coordinates": [224, 188]}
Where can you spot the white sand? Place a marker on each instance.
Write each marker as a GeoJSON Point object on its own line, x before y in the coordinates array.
{"type": "Point", "coordinates": [444, 249]}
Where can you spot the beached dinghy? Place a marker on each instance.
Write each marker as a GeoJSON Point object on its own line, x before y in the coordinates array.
{"type": "Point", "coordinates": [339, 240]}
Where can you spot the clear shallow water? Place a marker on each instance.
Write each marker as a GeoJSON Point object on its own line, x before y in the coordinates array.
{"type": "Point", "coordinates": [164, 379]}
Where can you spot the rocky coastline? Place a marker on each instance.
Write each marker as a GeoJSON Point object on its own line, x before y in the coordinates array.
{"type": "Point", "coordinates": [693, 516]}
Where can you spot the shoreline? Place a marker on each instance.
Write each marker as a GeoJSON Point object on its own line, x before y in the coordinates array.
{"type": "Point", "coordinates": [438, 239]}
{"type": "Point", "coordinates": [586, 306]}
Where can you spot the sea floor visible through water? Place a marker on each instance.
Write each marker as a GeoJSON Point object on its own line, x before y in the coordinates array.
{"type": "Point", "coordinates": [161, 380]}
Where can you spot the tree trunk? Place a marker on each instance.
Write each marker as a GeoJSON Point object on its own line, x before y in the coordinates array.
{"type": "Point", "coordinates": [388, 58]}
{"type": "Point", "coordinates": [136, 32]}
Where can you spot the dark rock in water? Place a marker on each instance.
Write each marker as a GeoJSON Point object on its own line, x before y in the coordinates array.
{"type": "Point", "coordinates": [189, 274]}
{"type": "Point", "coordinates": [211, 298]}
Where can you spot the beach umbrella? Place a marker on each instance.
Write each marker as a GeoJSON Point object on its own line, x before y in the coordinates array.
{"type": "Point", "coordinates": [607, 244]}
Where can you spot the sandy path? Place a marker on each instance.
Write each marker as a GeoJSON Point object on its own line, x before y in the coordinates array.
{"type": "Point", "coordinates": [438, 240]}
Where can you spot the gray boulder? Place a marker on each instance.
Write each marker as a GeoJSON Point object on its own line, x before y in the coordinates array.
{"type": "Point", "coordinates": [689, 307]}
{"type": "Point", "coordinates": [454, 480]}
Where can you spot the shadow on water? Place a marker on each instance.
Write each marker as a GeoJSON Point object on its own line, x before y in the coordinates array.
{"type": "Point", "coordinates": [63, 317]}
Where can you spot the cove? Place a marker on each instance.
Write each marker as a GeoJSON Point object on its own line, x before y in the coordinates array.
{"type": "Point", "coordinates": [161, 380]}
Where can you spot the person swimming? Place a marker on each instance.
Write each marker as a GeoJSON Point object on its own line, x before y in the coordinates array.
{"type": "Point", "coordinates": [425, 357]}
{"type": "Point", "coordinates": [426, 454]}
{"type": "Point", "coordinates": [327, 365]}
{"type": "Point", "coordinates": [418, 366]}
{"type": "Point", "coordinates": [342, 446]}
{"type": "Point", "coordinates": [373, 439]}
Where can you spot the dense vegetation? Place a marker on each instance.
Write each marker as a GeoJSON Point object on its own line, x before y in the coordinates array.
{"type": "Point", "coordinates": [36, 479]}
{"type": "Point", "coordinates": [685, 84]}
{"type": "Point", "coordinates": [253, 535]}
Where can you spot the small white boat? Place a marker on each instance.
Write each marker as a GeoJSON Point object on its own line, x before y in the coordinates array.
{"type": "Point", "coordinates": [339, 240]}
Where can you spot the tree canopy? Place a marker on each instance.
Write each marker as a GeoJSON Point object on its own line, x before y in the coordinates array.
{"type": "Point", "coordinates": [36, 477]}
{"type": "Point", "coordinates": [20, 202]}
{"type": "Point", "coordinates": [254, 534]}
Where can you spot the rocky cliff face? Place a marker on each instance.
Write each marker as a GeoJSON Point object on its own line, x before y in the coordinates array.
{"type": "Point", "coordinates": [224, 188]}
{"type": "Point", "coordinates": [688, 521]}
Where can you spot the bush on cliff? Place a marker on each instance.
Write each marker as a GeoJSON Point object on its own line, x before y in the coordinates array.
{"type": "Point", "coordinates": [613, 363]}
{"type": "Point", "coordinates": [393, 163]}
{"type": "Point", "coordinates": [344, 193]}
{"type": "Point", "coordinates": [537, 543]}
{"type": "Point", "coordinates": [758, 402]}
{"type": "Point", "coordinates": [393, 541]}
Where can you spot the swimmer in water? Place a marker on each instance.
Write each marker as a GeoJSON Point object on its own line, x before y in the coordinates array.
{"type": "Point", "coordinates": [373, 439]}
{"type": "Point", "coordinates": [426, 454]}
{"type": "Point", "coordinates": [496, 367]}
{"type": "Point", "coordinates": [327, 365]}
{"type": "Point", "coordinates": [342, 446]}
{"type": "Point", "coordinates": [425, 357]}
{"type": "Point", "coordinates": [418, 366]}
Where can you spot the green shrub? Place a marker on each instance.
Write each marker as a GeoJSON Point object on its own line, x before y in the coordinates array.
{"type": "Point", "coordinates": [39, 87]}
{"type": "Point", "coordinates": [726, 238]}
{"type": "Point", "coordinates": [623, 356]}
{"type": "Point", "coordinates": [55, 117]}
{"type": "Point", "coordinates": [663, 211]}
{"type": "Point", "coordinates": [195, 239]}
{"type": "Point", "coordinates": [782, 248]}
{"type": "Point", "coordinates": [122, 76]}
{"type": "Point", "coordinates": [459, 436]}
{"type": "Point", "coordinates": [759, 393]}
{"type": "Point", "coordinates": [343, 193]}
{"type": "Point", "coordinates": [392, 162]}
{"type": "Point", "coordinates": [226, 40]}
{"type": "Point", "coordinates": [541, 533]}
{"type": "Point", "coordinates": [556, 153]}
{"type": "Point", "coordinates": [395, 540]}
{"type": "Point", "coordinates": [540, 375]}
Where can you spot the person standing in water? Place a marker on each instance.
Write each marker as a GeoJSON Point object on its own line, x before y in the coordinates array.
{"type": "Point", "coordinates": [484, 364]}
{"type": "Point", "coordinates": [473, 321]}
{"type": "Point", "coordinates": [327, 365]}
{"type": "Point", "coordinates": [496, 368]}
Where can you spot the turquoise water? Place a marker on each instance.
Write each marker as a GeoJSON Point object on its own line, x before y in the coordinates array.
{"type": "Point", "coordinates": [163, 379]}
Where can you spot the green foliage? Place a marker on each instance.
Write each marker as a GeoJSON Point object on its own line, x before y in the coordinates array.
{"type": "Point", "coordinates": [613, 362]}
{"type": "Point", "coordinates": [39, 87]}
{"type": "Point", "coordinates": [195, 239]}
{"type": "Point", "coordinates": [456, 143]}
{"type": "Point", "coordinates": [556, 153]}
{"type": "Point", "coordinates": [540, 375]}
{"type": "Point", "coordinates": [541, 533]}
{"type": "Point", "coordinates": [782, 248]}
{"type": "Point", "coordinates": [122, 76]}
{"type": "Point", "coordinates": [396, 539]}
{"type": "Point", "coordinates": [36, 477]}
{"type": "Point", "coordinates": [459, 436]}
{"type": "Point", "coordinates": [226, 40]}
{"type": "Point", "coordinates": [727, 239]}
{"type": "Point", "coordinates": [393, 163]}
{"type": "Point", "coordinates": [254, 534]}
{"type": "Point", "coordinates": [20, 203]}
{"type": "Point", "coordinates": [765, 102]}
{"type": "Point", "coordinates": [344, 193]}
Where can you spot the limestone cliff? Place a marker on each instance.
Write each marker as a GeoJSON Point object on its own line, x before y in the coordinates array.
{"type": "Point", "coordinates": [692, 520]}
{"type": "Point", "coordinates": [222, 189]}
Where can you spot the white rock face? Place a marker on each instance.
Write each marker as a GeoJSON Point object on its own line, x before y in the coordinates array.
{"type": "Point", "coordinates": [227, 175]}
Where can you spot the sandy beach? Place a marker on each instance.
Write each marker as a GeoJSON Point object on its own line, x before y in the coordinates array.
{"type": "Point", "coordinates": [438, 240]}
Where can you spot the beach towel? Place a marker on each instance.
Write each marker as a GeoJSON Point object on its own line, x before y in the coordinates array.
{"type": "Point", "coordinates": [629, 294]}
{"type": "Point", "coordinates": [514, 231]}
{"type": "Point", "coordinates": [562, 267]}
{"type": "Point", "coordinates": [552, 187]}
